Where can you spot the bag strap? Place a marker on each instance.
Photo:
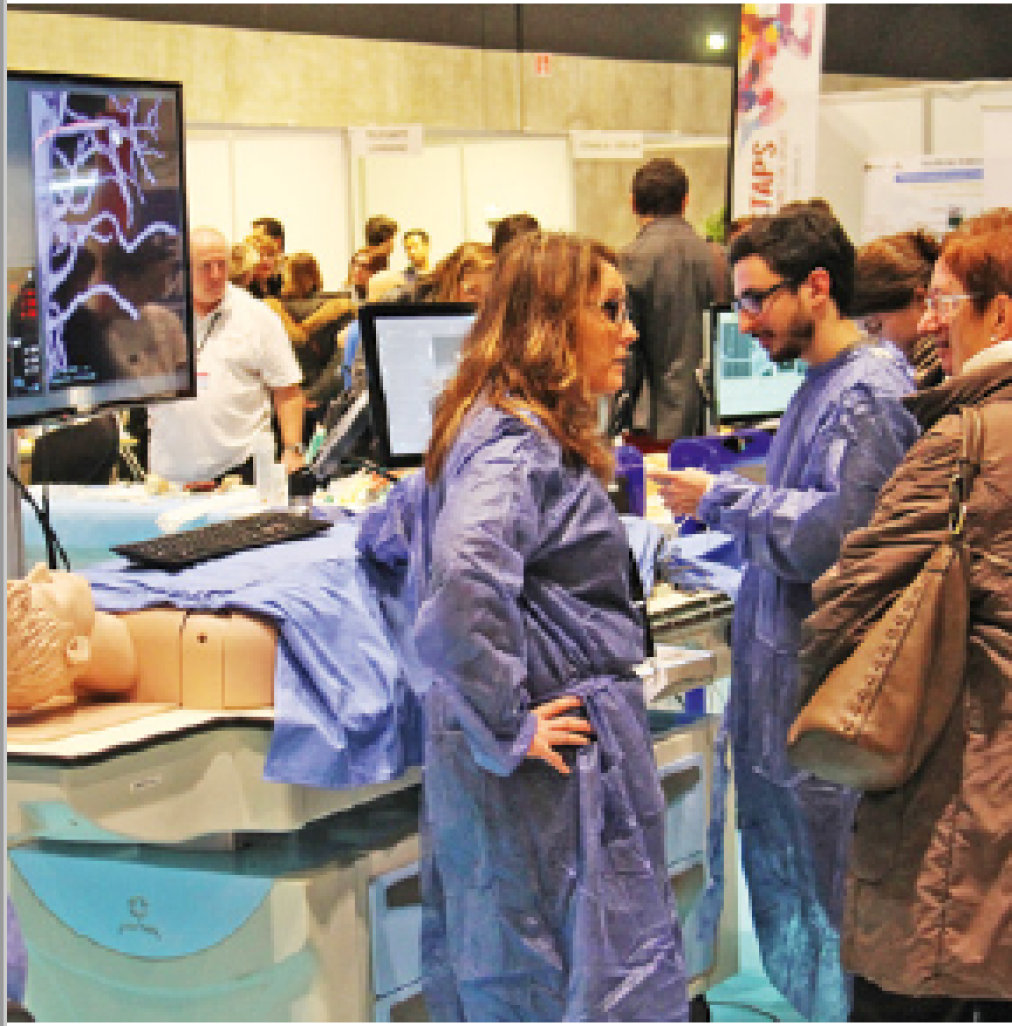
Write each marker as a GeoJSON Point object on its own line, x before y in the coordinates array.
{"type": "Point", "coordinates": [966, 470]}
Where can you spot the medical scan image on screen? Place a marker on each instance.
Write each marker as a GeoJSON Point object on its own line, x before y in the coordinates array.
{"type": "Point", "coordinates": [96, 254]}
{"type": "Point", "coordinates": [416, 357]}
{"type": "Point", "coordinates": [747, 384]}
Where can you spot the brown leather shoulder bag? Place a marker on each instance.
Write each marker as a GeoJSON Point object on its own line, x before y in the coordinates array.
{"type": "Point", "coordinates": [878, 713]}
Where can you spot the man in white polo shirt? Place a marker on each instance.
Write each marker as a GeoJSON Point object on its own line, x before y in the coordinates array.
{"type": "Point", "coordinates": [244, 363]}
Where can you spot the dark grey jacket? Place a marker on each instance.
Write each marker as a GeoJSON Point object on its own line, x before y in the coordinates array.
{"type": "Point", "coordinates": [669, 271]}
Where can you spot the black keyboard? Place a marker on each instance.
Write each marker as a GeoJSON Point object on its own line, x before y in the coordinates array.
{"type": "Point", "coordinates": [185, 548]}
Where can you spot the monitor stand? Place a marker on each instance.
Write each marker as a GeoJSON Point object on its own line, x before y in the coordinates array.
{"type": "Point", "coordinates": [15, 527]}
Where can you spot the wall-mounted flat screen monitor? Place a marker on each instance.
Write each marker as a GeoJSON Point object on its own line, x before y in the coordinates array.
{"type": "Point", "coordinates": [746, 386]}
{"type": "Point", "coordinates": [98, 283]}
{"type": "Point", "coordinates": [410, 352]}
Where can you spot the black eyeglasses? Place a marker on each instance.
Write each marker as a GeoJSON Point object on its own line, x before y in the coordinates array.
{"type": "Point", "coordinates": [752, 301]}
{"type": "Point", "coordinates": [615, 310]}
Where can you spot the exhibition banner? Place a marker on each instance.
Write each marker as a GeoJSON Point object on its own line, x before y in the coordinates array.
{"type": "Point", "coordinates": [777, 113]}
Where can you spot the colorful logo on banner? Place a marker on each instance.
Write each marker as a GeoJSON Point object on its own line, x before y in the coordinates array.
{"type": "Point", "coordinates": [777, 117]}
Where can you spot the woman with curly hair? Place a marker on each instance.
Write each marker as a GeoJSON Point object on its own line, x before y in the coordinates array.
{"type": "Point", "coordinates": [544, 885]}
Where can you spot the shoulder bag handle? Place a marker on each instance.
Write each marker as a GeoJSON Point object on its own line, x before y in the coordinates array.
{"type": "Point", "coordinates": [966, 470]}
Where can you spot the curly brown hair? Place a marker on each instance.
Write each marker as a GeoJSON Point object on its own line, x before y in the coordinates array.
{"type": "Point", "coordinates": [521, 355]}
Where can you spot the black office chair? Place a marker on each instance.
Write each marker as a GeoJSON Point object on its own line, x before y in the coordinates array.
{"type": "Point", "coordinates": [83, 453]}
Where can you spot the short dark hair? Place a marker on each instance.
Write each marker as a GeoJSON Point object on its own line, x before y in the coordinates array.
{"type": "Point", "coordinates": [379, 229]}
{"type": "Point", "coordinates": [795, 241]}
{"type": "Point", "coordinates": [420, 232]}
{"type": "Point", "coordinates": [272, 227]}
{"type": "Point", "coordinates": [507, 229]}
{"type": "Point", "coordinates": [659, 188]}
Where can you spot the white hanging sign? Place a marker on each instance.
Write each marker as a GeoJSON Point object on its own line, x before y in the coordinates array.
{"type": "Point", "coordinates": [934, 193]}
{"type": "Point", "coordinates": [386, 140]}
{"type": "Point", "coordinates": [604, 145]}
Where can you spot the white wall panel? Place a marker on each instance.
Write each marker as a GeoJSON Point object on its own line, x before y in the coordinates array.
{"type": "Point", "coordinates": [512, 176]}
{"type": "Point", "coordinates": [300, 177]}
{"type": "Point", "coordinates": [854, 127]}
{"type": "Point", "coordinates": [209, 185]}
{"type": "Point", "coordinates": [422, 190]}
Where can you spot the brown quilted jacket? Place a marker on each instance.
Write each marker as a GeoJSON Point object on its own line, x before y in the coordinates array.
{"type": "Point", "coordinates": [929, 902]}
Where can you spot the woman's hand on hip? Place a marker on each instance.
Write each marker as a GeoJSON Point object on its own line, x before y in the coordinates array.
{"type": "Point", "coordinates": [555, 728]}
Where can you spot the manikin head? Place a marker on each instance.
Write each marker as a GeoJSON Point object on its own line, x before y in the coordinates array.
{"type": "Point", "coordinates": [50, 619]}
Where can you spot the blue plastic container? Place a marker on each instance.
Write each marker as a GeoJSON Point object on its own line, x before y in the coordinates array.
{"type": "Point", "coordinates": [629, 470]}
{"type": "Point", "coordinates": [695, 701]}
{"type": "Point", "coordinates": [740, 450]}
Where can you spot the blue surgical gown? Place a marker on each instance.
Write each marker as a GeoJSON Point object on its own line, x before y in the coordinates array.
{"type": "Point", "coordinates": [347, 696]}
{"type": "Point", "coordinates": [840, 439]}
{"type": "Point", "coordinates": [545, 896]}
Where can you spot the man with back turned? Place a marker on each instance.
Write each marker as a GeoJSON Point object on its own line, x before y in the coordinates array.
{"type": "Point", "coordinates": [669, 271]}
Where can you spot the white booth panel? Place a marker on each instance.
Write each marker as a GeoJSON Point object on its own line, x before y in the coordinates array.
{"type": "Point", "coordinates": [301, 179]}
{"type": "Point", "coordinates": [418, 191]}
{"type": "Point", "coordinates": [209, 181]}
{"type": "Point", "coordinates": [957, 122]}
{"type": "Point", "coordinates": [512, 176]}
{"type": "Point", "coordinates": [996, 124]}
{"type": "Point", "coordinates": [852, 129]}
{"type": "Point", "coordinates": [234, 176]}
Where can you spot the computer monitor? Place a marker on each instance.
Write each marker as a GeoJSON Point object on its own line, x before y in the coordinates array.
{"type": "Point", "coordinates": [745, 385]}
{"type": "Point", "coordinates": [410, 352]}
{"type": "Point", "coordinates": [98, 282]}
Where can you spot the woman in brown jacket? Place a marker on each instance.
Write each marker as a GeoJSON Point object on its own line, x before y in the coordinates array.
{"type": "Point", "coordinates": [928, 920]}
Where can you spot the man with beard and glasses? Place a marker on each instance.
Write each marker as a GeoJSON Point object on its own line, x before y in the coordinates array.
{"type": "Point", "coordinates": [839, 440]}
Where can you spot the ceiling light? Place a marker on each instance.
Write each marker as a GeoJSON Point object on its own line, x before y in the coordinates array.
{"type": "Point", "coordinates": [716, 41]}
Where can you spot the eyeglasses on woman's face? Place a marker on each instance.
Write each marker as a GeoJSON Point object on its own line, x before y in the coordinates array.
{"type": "Point", "coordinates": [945, 304]}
